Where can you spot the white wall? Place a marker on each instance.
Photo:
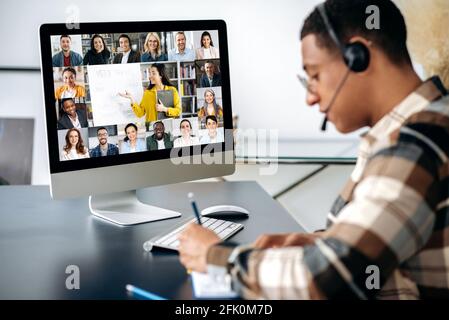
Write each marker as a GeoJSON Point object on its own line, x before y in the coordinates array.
{"type": "Point", "coordinates": [263, 49]}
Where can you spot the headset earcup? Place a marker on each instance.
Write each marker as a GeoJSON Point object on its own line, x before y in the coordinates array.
{"type": "Point", "coordinates": [356, 56]}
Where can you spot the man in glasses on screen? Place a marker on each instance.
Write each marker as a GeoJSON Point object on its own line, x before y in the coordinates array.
{"type": "Point", "coordinates": [104, 148]}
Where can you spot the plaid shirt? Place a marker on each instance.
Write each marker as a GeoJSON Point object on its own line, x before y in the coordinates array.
{"type": "Point", "coordinates": [96, 152]}
{"type": "Point", "coordinates": [393, 213]}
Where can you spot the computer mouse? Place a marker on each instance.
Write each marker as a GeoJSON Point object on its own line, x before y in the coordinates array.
{"type": "Point", "coordinates": [225, 211]}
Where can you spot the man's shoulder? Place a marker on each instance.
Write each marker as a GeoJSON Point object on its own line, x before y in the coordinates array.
{"type": "Point", "coordinates": [118, 57]}
{"type": "Point", "coordinates": [429, 127]}
{"type": "Point", "coordinates": [76, 54]}
{"type": "Point", "coordinates": [425, 132]}
{"type": "Point", "coordinates": [95, 152]}
{"type": "Point", "coordinates": [435, 116]}
{"type": "Point", "coordinates": [168, 136]}
{"type": "Point", "coordinates": [81, 113]}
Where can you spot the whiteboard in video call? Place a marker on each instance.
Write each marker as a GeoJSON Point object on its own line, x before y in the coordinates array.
{"type": "Point", "coordinates": [105, 84]}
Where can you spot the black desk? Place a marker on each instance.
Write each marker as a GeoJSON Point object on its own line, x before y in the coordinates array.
{"type": "Point", "coordinates": [40, 237]}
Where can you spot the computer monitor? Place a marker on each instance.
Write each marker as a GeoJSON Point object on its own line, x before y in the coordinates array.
{"type": "Point", "coordinates": [135, 104]}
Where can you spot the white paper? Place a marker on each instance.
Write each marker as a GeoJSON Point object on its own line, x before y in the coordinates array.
{"type": "Point", "coordinates": [206, 286]}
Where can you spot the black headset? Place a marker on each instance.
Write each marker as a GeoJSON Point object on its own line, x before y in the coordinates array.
{"type": "Point", "coordinates": [356, 55]}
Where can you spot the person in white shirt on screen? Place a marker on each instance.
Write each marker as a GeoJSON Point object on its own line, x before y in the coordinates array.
{"type": "Point", "coordinates": [212, 135]}
{"type": "Point", "coordinates": [74, 148]}
{"type": "Point", "coordinates": [131, 143]}
{"type": "Point", "coordinates": [181, 52]}
{"type": "Point", "coordinates": [207, 49]}
{"type": "Point", "coordinates": [186, 138]}
{"type": "Point", "coordinates": [127, 55]}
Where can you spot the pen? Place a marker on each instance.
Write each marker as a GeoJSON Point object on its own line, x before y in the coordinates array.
{"type": "Point", "coordinates": [195, 208]}
{"type": "Point", "coordinates": [143, 293]}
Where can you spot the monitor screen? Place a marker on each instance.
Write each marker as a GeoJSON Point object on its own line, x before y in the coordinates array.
{"type": "Point", "coordinates": [118, 93]}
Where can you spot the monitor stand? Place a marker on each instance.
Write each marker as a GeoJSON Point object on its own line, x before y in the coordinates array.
{"type": "Point", "coordinates": [125, 209]}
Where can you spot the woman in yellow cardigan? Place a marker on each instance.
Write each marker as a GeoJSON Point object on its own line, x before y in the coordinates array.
{"type": "Point", "coordinates": [149, 106]}
{"type": "Point", "coordinates": [70, 89]}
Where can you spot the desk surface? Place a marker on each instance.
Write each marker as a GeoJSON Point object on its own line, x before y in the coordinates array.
{"type": "Point", "coordinates": [40, 237]}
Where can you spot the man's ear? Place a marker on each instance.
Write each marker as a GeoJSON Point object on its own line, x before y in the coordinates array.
{"type": "Point", "coordinates": [363, 40]}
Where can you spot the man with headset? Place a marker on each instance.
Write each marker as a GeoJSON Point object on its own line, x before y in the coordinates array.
{"type": "Point", "coordinates": [393, 213]}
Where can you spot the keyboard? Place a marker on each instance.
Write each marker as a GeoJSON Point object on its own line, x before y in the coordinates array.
{"type": "Point", "coordinates": [223, 228]}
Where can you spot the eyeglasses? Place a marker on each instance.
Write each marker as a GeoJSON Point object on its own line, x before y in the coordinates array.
{"type": "Point", "coordinates": [306, 83]}
{"type": "Point", "coordinates": [102, 134]}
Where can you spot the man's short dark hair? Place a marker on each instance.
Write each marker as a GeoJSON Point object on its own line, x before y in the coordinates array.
{"type": "Point", "coordinates": [64, 100]}
{"type": "Point", "coordinates": [127, 37]}
{"type": "Point", "coordinates": [101, 128]}
{"type": "Point", "coordinates": [348, 19]}
{"type": "Point", "coordinates": [154, 124]}
{"type": "Point", "coordinates": [64, 36]}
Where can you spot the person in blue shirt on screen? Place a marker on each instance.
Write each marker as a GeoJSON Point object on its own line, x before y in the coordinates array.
{"type": "Point", "coordinates": [181, 52]}
{"type": "Point", "coordinates": [66, 57]}
{"type": "Point", "coordinates": [131, 143]}
{"type": "Point", "coordinates": [104, 148]}
{"type": "Point", "coordinates": [153, 51]}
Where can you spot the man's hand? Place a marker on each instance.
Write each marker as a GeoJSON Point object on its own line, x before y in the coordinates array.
{"type": "Point", "coordinates": [194, 242]}
{"type": "Point", "coordinates": [285, 240]}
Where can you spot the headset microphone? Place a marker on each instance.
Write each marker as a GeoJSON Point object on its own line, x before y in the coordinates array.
{"type": "Point", "coordinates": [340, 86]}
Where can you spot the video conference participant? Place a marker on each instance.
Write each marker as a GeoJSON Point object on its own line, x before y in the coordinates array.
{"type": "Point", "coordinates": [212, 135]}
{"type": "Point", "coordinates": [181, 52]}
{"type": "Point", "coordinates": [153, 50]}
{"type": "Point", "coordinates": [148, 106]}
{"type": "Point", "coordinates": [70, 89]}
{"type": "Point", "coordinates": [74, 147]}
{"type": "Point", "coordinates": [104, 148]}
{"type": "Point", "coordinates": [392, 214]}
{"type": "Point", "coordinates": [71, 117]}
{"type": "Point", "coordinates": [98, 52]}
{"type": "Point", "coordinates": [160, 139]}
{"type": "Point", "coordinates": [210, 107]}
{"type": "Point", "coordinates": [207, 49]}
{"type": "Point", "coordinates": [127, 55]}
{"type": "Point", "coordinates": [66, 57]}
{"type": "Point", "coordinates": [210, 78]}
{"type": "Point", "coordinates": [131, 143]}
{"type": "Point", "coordinates": [186, 139]}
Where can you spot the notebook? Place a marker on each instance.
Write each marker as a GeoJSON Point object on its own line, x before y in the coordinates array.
{"type": "Point", "coordinates": [206, 286]}
{"type": "Point", "coordinates": [166, 97]}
